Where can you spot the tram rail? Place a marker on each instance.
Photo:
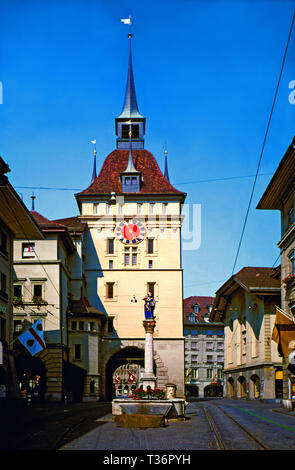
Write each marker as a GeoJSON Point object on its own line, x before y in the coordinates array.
{"type": "Point", "coordinates": [220, 444]}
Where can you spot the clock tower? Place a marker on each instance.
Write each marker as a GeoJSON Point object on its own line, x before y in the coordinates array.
{"type": "Point", "coordinates": [132, 247]}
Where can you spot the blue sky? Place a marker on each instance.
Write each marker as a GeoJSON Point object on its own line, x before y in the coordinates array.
{"type": "Point", "coordinates": [205, 76]}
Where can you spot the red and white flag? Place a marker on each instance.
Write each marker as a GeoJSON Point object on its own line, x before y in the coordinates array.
{"type": "Point", "coordinates": [117, 378]}
{"type": "Point", "coordinates": [131, 378]}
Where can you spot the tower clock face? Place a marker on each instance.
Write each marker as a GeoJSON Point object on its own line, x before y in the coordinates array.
{"type": "Point", "coordinates": [130, 233]}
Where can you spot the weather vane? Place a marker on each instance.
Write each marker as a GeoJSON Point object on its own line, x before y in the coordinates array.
{"type": "Point", "coordinates": [128, 21]}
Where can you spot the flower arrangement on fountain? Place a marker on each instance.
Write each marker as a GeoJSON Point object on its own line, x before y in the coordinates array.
{"type": "Point", "coordinates": [141, 394]}
{"type": "Point", "coordinates": [18, 301]}
{"type": "Point", "coordinates": [38, 301]}
{"type": "Point", "coordinates": [288, 280]}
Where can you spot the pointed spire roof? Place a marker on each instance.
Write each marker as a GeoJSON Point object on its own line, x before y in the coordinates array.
{"type": "Point", "coordinates": [94, 175]}
{"type": "Point", "coordinates": [130, 165]}
{"type": "Point", "coordinates": [130, 107]}
{"type": "Point", "coordinates": [33, 197]}
{"type": "Point", "coordinates": [166, 174]}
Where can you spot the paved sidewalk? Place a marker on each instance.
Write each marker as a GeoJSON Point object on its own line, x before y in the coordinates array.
{"type": "Point", "coordinates": [193, 433]}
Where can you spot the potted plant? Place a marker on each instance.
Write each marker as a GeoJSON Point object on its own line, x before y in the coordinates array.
{"type": "Point", "coordinates": [140, 394]}
{"type": "Point", "coordinates": [158, 393]}
{"type": "Point", "coordinates": [18, 301]}
{"type": "Point", "coordinates": [38, 301]}
{"type": "Point", "coordinates": [288, 280]}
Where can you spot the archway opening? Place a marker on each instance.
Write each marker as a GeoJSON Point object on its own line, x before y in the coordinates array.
{"type": "Point", "coordinates": [213, 390]}
{"type": "Point", "coordinates": [242, 386]}
{"type": "Point", "coordinates": [255, 386]}
{"type": "Point", "coordinates": [31, 373]}
{"type": "Point", "coordinates": [230, 387]}
{"type": "Point", "coordinates": [125, 361]}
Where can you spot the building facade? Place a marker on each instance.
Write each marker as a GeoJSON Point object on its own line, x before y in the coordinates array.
{"type": "Point", "coordinates": [204, 349]}
{"type": "Point", "coordinates": [42, 275]}
{"type": "Point", "coordinates": [15, 222]}
{"type": "Point", "coordinates": [246, 304]}
{"type": "Point", "coordinates": [280, 195]}
{"type": "Point", "coordinates": [49, 283]}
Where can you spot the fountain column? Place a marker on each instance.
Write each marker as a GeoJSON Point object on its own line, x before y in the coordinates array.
{"type": "Point", "coordinates": [149, 379]}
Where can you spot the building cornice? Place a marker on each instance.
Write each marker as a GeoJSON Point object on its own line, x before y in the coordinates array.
{"type": "Point", "coordinates": [251, 366]}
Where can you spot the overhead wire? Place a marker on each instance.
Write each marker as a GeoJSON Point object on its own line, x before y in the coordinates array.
{"type": "Point", "coordinates": [263, 145]}
{"type": "Point", "coordinates": [209, 180]}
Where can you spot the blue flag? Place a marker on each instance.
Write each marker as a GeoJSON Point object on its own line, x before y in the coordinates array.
{"type": "Point", "coordinates": [33, 338]}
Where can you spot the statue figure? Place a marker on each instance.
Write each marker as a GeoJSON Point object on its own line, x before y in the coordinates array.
{"type": "Point", "coordinates": [149, 306]}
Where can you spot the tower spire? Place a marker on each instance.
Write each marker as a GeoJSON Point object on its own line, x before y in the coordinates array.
{"type": "Point", "coordinates": [94, 175]}
{"type": "Point", "coordinates": [130, 106]}
{"type": "Point", "coordinates": [130, 112]}
{"type": "Point", "coordinates": [166, 174]}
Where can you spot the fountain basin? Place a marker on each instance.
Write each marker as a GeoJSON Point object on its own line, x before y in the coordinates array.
{"type": "Point", "coordinates": [170, 409]}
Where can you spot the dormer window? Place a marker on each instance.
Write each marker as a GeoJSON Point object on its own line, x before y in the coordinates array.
{"type": "Point", "coordinates": [130, 184]}
{"type": "Point", "coordinates": [196, 308]}
{"type": "Point", "coordinates": [192, 318]}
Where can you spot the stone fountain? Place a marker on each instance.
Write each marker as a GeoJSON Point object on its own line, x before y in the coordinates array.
{"type": "Point", "coordinates": [149, 411]}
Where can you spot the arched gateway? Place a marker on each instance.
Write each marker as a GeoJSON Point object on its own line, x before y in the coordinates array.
{"type": "Point", "coordinates": [132, 355]}
{"type": "Point", "coordinates": [128, 355]}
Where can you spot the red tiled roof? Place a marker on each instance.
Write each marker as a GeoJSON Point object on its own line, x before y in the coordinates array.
{"type": "Point", "coordinates": [252, 276]}
{"type": "Point", "coordinates": [47, 225]}
{"type": "Point", "coordinates": [265, 280]}
{"type": "Point", "coordinates": [109, 180]}
{"type": "Point", "coordinates": [203, 303]}
{"type": "Point", "coordinates": [82, 307]}
{"type": "Point", "coordinates": [72, 223]}
{"type": "Point", "coordinates": [42, 220]}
